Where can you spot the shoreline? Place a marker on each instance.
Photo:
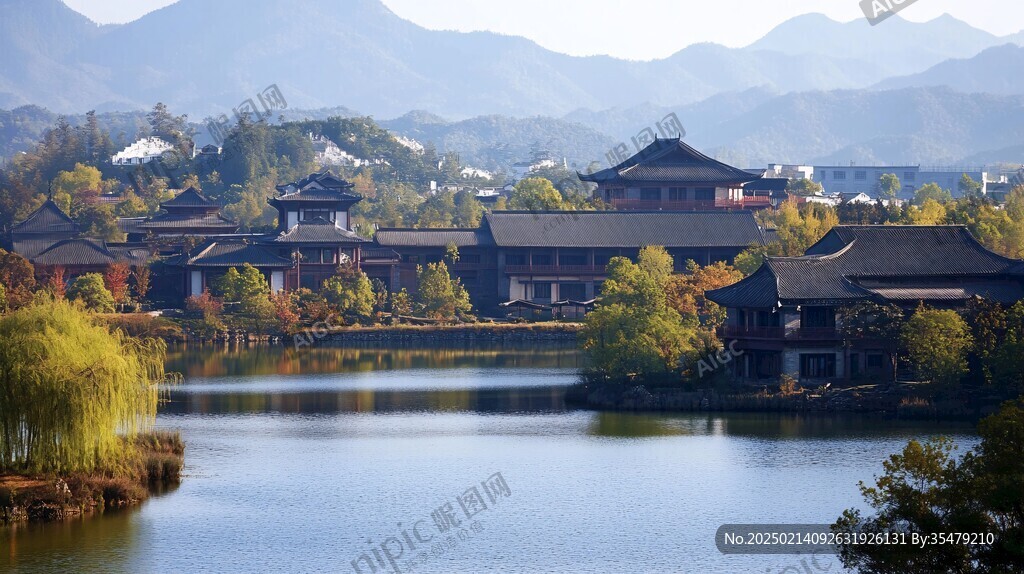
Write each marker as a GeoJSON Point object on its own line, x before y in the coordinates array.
{"type": "Point", "coordinates": [398, 335]}
{"type": "Point", "coordinates": [899, 403]}
{"type": "Point", "coordinates": [37, 498]}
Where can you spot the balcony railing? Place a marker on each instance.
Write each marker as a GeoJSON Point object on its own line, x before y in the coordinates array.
{"type": "Point", "coordinates": [555, 269]}
{"type": "Point", "coordinates": [798, 334]}
{"type": "Point", "coordinates": [691, 205]}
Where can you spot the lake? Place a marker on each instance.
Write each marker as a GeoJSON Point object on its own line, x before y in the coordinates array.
{"type": "Point", "coordinates": [458, 460]}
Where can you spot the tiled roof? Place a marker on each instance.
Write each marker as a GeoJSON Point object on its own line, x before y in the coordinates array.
{"type": "Point", "coordinates": [88, 252]}
{"type": "Point", "coordinates": [29, 248]}
{"type": "Point", "coordinates": [176, 221]}
{"type": "Point", "coordinates": [318, 230]}
{"type": "Point", "coordinates": [1007, 292]}
{"type": "Point", "coordinates": [188, 198]}
{"type": "Point", "coordinates": [898, 262]}
{"type": "Point", "coordinates": [427, 237]}
{"type": "Point", "coordinates": [379, 253]}
{"type": "Point", "coordinates": [47, 219]}
{"type": "Point", "coordinates": [130, 224]}
{"type": "Point", "coordinates": [671, 160]}
{"type": "Point", "coordinates": [323, 186]}
{"type": "Point", "coordinates": [623, 228]}
{"type": "Point", "coordinates": [232, 254]}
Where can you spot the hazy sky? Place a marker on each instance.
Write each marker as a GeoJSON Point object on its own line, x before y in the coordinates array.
{"type": "Point", "coordinates": [636, 29]}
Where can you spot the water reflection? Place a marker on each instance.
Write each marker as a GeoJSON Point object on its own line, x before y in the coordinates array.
{"type": "Point", "coordinates": [501, 400]}
{"type": "Point", "coordinates": [225, 360]}
{"type": "Point", "coordinates": [294, 460]}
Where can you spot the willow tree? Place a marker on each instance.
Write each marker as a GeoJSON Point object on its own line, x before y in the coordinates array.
{"type": "Point", "coordinates": [70, 389]}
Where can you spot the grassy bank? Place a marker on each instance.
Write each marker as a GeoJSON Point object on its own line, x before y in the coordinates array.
{"type": "Point", "coordinates": [153, 462]}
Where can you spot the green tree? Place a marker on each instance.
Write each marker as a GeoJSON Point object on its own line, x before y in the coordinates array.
{"type": "Point", "coordinates": [926, 490]}
{"type": "Point", "coordinates": [750, 259]}
{"type": "Point", "coordinates": [72, 390]}
{"type": "Point", "coordinates": [468, 210]}
{"type": "Point", "coordinates": [1002, 359]}
{"type": "Point", "coordinates": [930, 212]}
{"type": "Point", "coordinates": [401, 305]}
{"type": "Point", "coordinates": [91, 291]}
{"type": "Point", "coordinates": [932, 191]}
{"type": "Point", "coordinates": [968, 187]}
{"type": "Point", "coordinates": [536, 194]}
{"type": "Point", "coordinates": [937, 341]}
{"type": "Point", "coordinates": [798, 227]}
{"type": "Point", "coordinates": [889, 186]}
{"type": "Point", "coordinates": [804, 187]}
{"type": "Point", "coordinates": [351, 293]}
{"type": "Point", "coordinates": [251, 290]}
{"type": "Point", "coordinates": [438, 295]}
{"type": "Point", "coordinates": [634, 331]}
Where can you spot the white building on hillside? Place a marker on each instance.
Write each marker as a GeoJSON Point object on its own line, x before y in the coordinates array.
{"type": "Point", "coordinates": [143, 151]}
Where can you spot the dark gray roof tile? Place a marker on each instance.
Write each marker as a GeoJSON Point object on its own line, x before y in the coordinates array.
{"type": "Point", "coordinates": [623, 228]}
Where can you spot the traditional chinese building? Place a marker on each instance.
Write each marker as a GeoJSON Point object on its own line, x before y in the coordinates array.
{"type": "Point", "coordinates": [559, 257]}
{"type": "Point", "coordinates": [190, 213]}
{"type": "Point", "coordinates": [668, 174]}
{"type": "Point", "coordinates": [83, 255]}
{"type": "Point", "coordinates": [204, 265]}
{"type": "Point", "coordinates": [41, 229]}
{"type": "Point", "coordinates": [785, 317]}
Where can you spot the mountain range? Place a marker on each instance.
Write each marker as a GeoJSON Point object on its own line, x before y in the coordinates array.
{"type": "Point", "coordinates": [811, 90]}
{"type": "Point", "coordinates": [205, 56]}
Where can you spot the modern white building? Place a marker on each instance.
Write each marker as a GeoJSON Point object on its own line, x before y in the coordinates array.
{"type": "Point", "coordinates": [143, 151]}
{"type": "Point", "coordinates": [864, 178]}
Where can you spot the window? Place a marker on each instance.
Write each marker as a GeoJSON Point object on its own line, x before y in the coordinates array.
{"type": "Point", "coordinates": [817, 317]}
{"type": "Point", "coordinates": [909, 176]}
{"type": "Point", "coordinates": [818, 365]}
{"type": "Point", "coordinates": [839, 175]}
{"type": "Point", "coordinates": [469, 258]}
{"type": "Point", "coordinates": [677, 194]}
{"type": "Point", "coordinates": [327, 256]}
{"type": "Point", "coordinates": [310, 214]}
{"type": "Point", "coordinates": [704, 194]}
{"type": "Point", "coordinates": [874, 361]}
{"type": "Point", "coordinates": [572, 258]}
{"type": "Point", "coordinates": [542, 291]}
{"type": "Point", "coordinates": [574, 291]}
{"type": "Point", "coordinates": [650, 193]}
{"type": "Point", "coordinates": [616, 193]}
{"type": "Point", "coordinates": [860, 175]}
{"type": "Point", "coordinates": [515, 259]}
{"type": "Point", "coordinates": [541, 259]}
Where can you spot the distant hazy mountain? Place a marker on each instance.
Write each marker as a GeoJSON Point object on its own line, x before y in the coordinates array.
{"type": "Point", "coordinates": [37, 40]}
{"type": "Point", "coordinates": [496, 142]}
{"type": "Point", "coordinates": [901, 47]}
{"type": "Point", "coordinates": [927, 126]}
{"type": "Point", "coordinates": [913, 125]}
{"type": "Point", "coordinates": [205, 56]}
{"type": "Point", "coordinates": [998, 70]}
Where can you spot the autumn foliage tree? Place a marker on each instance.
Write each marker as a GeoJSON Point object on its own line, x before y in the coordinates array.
{"type": "Point", "coordinates": [116, 280]}
{"type": "Point", "coordinates": [142, 276]}
{"type": "Point", "coordinates": [18, 277]}
{"type": "Point", "coordinates": [56, 284]}
{"type": "Point", "coordinates": [686, 291]}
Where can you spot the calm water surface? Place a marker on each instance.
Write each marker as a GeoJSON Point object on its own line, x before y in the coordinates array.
{"type": "Point", "coordinates": [309, 461]}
